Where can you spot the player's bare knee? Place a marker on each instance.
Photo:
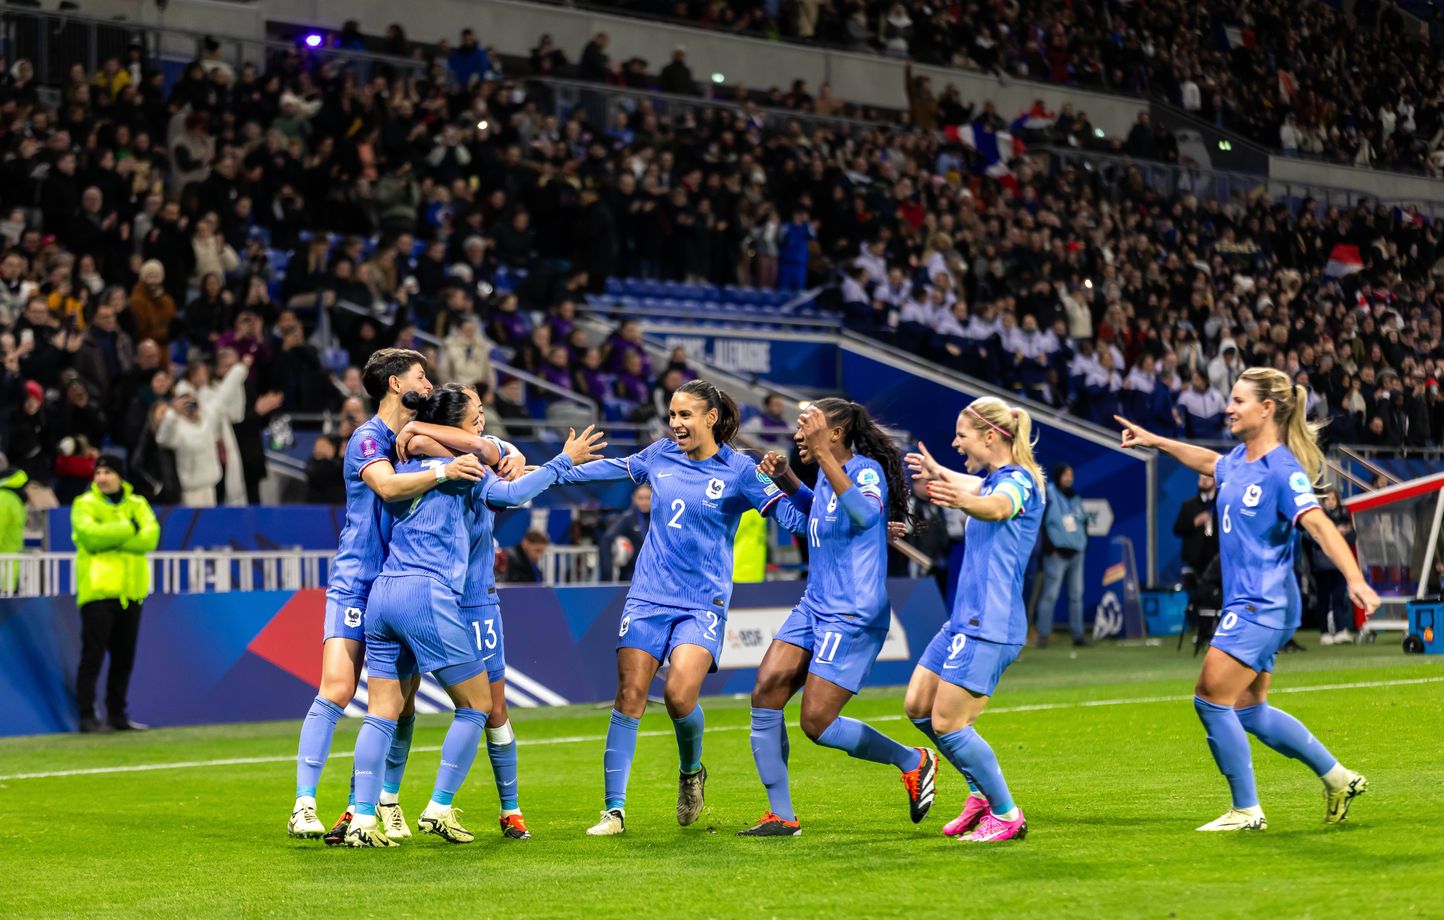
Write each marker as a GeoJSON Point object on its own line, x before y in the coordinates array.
{"type": "Point", "coordinates": [680, 703]}
{"type": "Point", "coordinates": [498, 716]}
{"type": "Point", "coordinates": [770, 692]}
{"type": "Point", "coordinates": [815, 723]}
{"type": "Point", "coordinates": [631, 701]}
{"type": "Point", "coordinates": [340, 691]}
{"type": "Point", "coordinates": [916, 707]}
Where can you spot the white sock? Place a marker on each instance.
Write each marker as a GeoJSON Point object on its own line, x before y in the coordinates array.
{"type": "Point", "coordinates": [363, 820]}
{"type": "Point", "coordinates": [508, 812]}
{"type": "Point", "coordinates": [389, 798]}
{"type": "Point", "coordinates": [1010, 815]}
{"type": "Point", "coordinates": [434, 807]}
{"type": "Point", "coordinates": [305, 801]}
{"type": "Point", "coordinates": [1337, 777]}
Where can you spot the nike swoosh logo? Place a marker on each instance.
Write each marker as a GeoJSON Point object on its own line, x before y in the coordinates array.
{"type": "Point", "coordinates": [310, 762]}
{"type": "Point", "coordinates": [663, 475]}
{"type": "Point", "coordinates": [607, 770]}
{"type": "Point", "coordinates": [509, 783]}
{"type": "Point", "coordinates": [951, 667]}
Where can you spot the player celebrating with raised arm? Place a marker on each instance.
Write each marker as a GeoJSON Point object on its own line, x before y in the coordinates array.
{"type": "Point", "coordinates": [1265, 490]}
{"type": "Point", "coordinates": [832, 637]}
{"type": "Point", "coordinates": [959, 670]}
{"type": "Point", "coordinates": [371, 478]}
{"type": "Point", "coordinates": [676, 609]}
{"type": "Point", "coordinates": [415, 622]}
{"type": "Point", "coordinates": [480, 604]}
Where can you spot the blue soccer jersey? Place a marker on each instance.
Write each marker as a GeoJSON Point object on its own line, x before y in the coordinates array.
{"type": "Point", "coordinates": [431, 534]}
{"type": "Point", "coordinates": [362, 547]}
{"type": "Point", "coordinates": [846, 544]}
{"type": "Point", "coordinates": [686, 559]}
{"type": "Point", "coordinates": [1259, 503]}
{"type": "Point", "coordinates": [495, 493]}
{"type": "Point", "coordinates": [989, 600]}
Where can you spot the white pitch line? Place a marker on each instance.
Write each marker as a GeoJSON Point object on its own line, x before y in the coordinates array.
{"type": "Point", "coordinates": [592, 739]}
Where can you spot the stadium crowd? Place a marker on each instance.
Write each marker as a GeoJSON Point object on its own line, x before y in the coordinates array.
{"type": "Point", "coordinates": [183, 265]}
{"type": "Point", "coordinates": [1305, 79]}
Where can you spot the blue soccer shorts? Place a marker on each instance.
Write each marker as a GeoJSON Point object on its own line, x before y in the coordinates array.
{"type": "Point", "coordinates": [486, 623]}
{"type": "Point", "coordinates": [657, 630]}
{"type": "Point", "coordinates": [843, 648]}
{"type": "Point", "coordinates": [414, 624]}
{"type": "Point", "coordinates": [1251, 644]}
{"type": "Point", "coordinates": [345, 618]}
{"type": "Point", "coordinates": [974, 664]}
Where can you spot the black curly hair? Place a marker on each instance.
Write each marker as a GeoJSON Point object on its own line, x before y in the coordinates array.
{"type": "Point", "coordinates": [862, 435]}
{"type": "Point", "coordinates": [447, 405]}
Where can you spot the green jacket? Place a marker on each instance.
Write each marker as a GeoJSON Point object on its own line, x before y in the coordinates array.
{"type": "Point", "coordinates": [12, 523]}
{"type": "Point", "coordinates": [111, 540]}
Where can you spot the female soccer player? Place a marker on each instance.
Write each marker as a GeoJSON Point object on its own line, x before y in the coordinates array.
{"type": "Point", "coordinates": [831, 639]}
{"type": "Point", "coordinates": [958, 672]}
{"type": "Point", "coordinates": [676, 609]}
{"type": "Point", "coordinates": [371, 479]}
{"type": "Point", "coordinates": [1265, 490]}
{"type": "Point", "coordinates": [414, 621]}
{"type": "Point", "coordinates": [480, 604]}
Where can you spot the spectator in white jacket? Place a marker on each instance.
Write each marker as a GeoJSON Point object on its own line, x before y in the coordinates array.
{"type": "Point", "coordinates": [1224, 370]}
{"type": "Point", "coordinates": [190, 431]}
{"type": "Point", "coordinates": [466, 354]}
{"type": "Point", "coordinates": [223, 396]}
{"type": "Point", "coordinates": [213, 254]}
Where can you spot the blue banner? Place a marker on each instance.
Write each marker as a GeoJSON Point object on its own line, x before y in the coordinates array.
{"type": "Point", "coordinates": [785, 361]}
{"type": "Point", "coordinates": [249, 656]}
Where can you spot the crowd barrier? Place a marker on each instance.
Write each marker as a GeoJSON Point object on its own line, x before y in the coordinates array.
{"type": "Point", "coordinates": [250, 656]}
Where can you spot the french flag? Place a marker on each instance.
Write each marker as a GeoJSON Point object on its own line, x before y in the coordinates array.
{"type": "Point", "coordinates": [1344, 260]}
{"type": "Point", "coordinates": [1037, 118]}
{"type": "Point", "coordinates": [996, 148]}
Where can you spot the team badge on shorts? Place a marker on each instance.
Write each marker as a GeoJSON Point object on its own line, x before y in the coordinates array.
{"type": "Point", "coordinates": [353, 617]}
{"type": "Point", "coordinates": [626, 625]}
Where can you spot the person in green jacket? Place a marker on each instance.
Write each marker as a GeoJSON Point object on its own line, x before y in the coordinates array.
{"type": "Point", "coordinates": [113, 529]}
{"type": "Point", "coordinates": [12, 523]}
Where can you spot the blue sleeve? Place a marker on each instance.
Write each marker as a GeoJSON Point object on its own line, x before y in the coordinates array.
{"type": "Point", "coordinates": [802, 499]}
{"type": "Point", "coordinates": [864, 508]}
{"type": "Point", "coordinates": [500, 494]}
{"type": "Point", "coordinates": [789, 515]}
{"type": "Point", "coordinates": [1294, 489]}
{"type": "Point", "coordinates": [758, 488]}
{"type": "Point", "coordinates": [634, 467]}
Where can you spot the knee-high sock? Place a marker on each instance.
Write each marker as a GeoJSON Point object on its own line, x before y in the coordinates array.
{"type": "Point", "coordinates": [458, 752]}
{"type": "Point", "coordinates": [315, 744]}
{"type": "Point", "coordinates": [501, 751]}
{"type": "Point", "coordinates": [925, 725]}
{"type": "Point", "coordinates": [1287, 735]}
{"type": "Point", "coordinates": [617, 761]}
{"type": "Point", "coordinates": [397, 755]}
{"type": "Point", "coordinates": [966, 750]}
{"type": "Point", "coordinates": [1229, 744]}
{"type": "Point", "coordinates": [689, 739]}
{"type": "Point", "coordinates": [371, 746]}
{"type": "Point", "coordinates": [864, 742]}
{"type": "Point", "coordinates": [769, 738]}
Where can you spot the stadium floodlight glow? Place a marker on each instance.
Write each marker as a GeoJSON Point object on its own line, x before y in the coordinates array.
{"type": "Point", "coordinates": [313, 40]}
{"type": "Point", "coordinates": [483, 125]}
{"type": "Point", "coordinates": [1088, 283]}
{"type": "Point", "coordinates": [717, 77]}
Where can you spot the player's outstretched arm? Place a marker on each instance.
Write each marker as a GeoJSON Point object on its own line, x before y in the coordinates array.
{"type": "Point", "coordinates": [1317, 523]}
{"type": "Point", "coordinates": [998, 506]}
{"type": "Point", "coordinates": [775, 467]}
{"type": "Point", "coordinates": [578, 449]}
{"type": "Point", "coordinates": [391, 486]}
{"type": "Point", "coordinates": [1199, 459]}
{"type": "Point", "coordinates": [925, 469]}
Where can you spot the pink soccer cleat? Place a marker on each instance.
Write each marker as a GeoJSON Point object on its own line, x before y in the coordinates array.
{"type": "Point", "coordinates": [994, 829]}
{"type": "Point", "coordinates": [964, 823]}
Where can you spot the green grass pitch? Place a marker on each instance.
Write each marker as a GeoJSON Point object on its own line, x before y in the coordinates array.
{"type": "Point", "coordinates": [1101, 748]}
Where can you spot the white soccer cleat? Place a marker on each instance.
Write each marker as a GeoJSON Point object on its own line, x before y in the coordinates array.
{"type": "Point", "coordinates": [614, 821]}
{"type": "Point", "coordinates": [1239, 819]}
{"type": "Point", "coordinates": [1336, 801]}
{"type": "Point", "coordinates": [444, 822]}
{"type": "Point", "coordinates": [366, 832]}
{"type": "Point", "coordinates": [304, 822]}
{"type": "Point", "coordinates": [1327, 639]}
{"type": "Point", "coordinates": [392, 821]}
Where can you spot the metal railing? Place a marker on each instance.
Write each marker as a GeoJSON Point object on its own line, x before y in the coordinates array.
{"type": "Point", "coordinates": [219, 571]}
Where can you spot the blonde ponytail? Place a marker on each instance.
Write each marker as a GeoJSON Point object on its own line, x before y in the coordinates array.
{"type": "Point", "coordinates": [1012, 423]}
{"type": "Point", "coordinates": [1291, 409]}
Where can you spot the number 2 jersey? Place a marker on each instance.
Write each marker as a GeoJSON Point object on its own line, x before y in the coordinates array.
{"type": "Point", "coordinates": [988, 604]}
{"type": "Point", "coordinates": [847, 544]}
{"type": "Point", "coordinates": [361, 549]}
{"type": "Point", "coordinates": [686, 559]}
{"type": "Point", "coordinates": [1259, 503]}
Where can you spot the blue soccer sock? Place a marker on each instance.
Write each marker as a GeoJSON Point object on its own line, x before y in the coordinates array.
{"type": "Point", "coordinates": [371, 746]}
{"type": "Point", "coordinates": [1287, 735]}
{"type": "Point", "coordinates": [617, 761]}
{"type": "Point", "coordinates": [458, 752]}
{"type": "Point", "coordinates": [689, 739]}
{"type": "Point", "coordinates": [925, 725]}
{"type": "Point", "coordinates": [315, 744]}
{"type": "Point", "coordinates": [966, 750]}
{"type": "Point", "coordinates": [501, 750]}
{"type": "Point", "coordinates": [1229, 744]}
{"type": "Point", "coordinates": [398, 754]}
{"type": "Point", "coordinates": [769, 738]}
{"type": "Point", "coordinates": [864, 742]}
